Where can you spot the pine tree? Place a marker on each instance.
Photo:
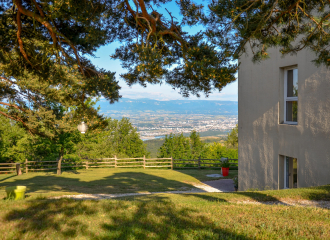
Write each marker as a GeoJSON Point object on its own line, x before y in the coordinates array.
{"type": "Point", "coordinates": [289, 25]}
{"type": "Point", "coordinates": [196, 145]}
{"type": "Point", "coordinates": [232, 138]}
{"type": "Point", "coordinates": [44, 45]}
{"type": "Point", "coordinates": [180, 147]}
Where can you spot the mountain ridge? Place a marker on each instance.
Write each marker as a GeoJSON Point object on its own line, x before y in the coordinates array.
{"type": "Point", "coordinates": [211, 107]}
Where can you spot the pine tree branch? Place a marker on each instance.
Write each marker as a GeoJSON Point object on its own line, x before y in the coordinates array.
{"type": "Point", "coordinates": [39, 8]}
{"type": "Point", "coordinates": [52, 30]}
{"type": "Point", "coordinates": [20, 42]}
{"type": "Point", "coordinates": [14, 106]}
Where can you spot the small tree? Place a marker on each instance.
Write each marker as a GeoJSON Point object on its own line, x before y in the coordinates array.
{"type": "Point", "coordinates": [217, 151]}
{"type": "Point", "coordinates": [180, 147]}
{"type": "Point", "coordinates": [232, 138]}
{"type": "Point", "coordinates": [196, 145]}
{"type": "Point", "coordinates": [118, 138]}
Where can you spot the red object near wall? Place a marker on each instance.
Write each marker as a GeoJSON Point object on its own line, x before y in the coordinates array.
{"type": "Point", "coordinates": [225, 171]}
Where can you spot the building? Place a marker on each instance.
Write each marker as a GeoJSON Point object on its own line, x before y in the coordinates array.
{"type": "Point", "coordinates": [284, 122]}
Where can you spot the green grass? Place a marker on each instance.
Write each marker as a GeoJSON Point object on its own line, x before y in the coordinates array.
{"type": "Point", "coordinates": [159, 216]}
{"type": "Point", "coordinates": [164, 216]}
{"type": "Point", "coordinates": [106, 180]}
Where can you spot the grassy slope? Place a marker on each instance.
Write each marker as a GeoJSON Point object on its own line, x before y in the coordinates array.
{"type": "Point", "coordinates": [160, 216]}
{"type": "Point", "coordinates": [165, 216]}
{"type": "Point", "coordinates": [107, 180]}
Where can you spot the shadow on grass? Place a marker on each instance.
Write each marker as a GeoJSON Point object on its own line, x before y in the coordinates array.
{"type": "Point", "coordinates": [3, 179]}
{"type": "Point", "coordinates": [122, 182]}
{"type": "Point", "coordinates": [156, 218]}
{"type": "Point", "coordinates": [318, 193]}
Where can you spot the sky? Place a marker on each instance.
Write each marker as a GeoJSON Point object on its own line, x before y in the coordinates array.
{"type": "Point", "coordinates": [157, 92]}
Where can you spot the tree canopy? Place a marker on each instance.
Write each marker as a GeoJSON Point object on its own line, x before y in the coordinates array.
{"type": "Point", "coordinates": [118, 138]}
{"type": "Point", "coordinates": [180, 147]}
{"type": "Point", "coordinates": [43, 64]}
{"type": "Point", "coordinates": [290, 25]}
{"type": "Point", "coordinates": [45, 47]}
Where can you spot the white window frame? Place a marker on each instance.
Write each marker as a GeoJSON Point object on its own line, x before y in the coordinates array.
{"type": "Point", "coordinates": [286, 98]}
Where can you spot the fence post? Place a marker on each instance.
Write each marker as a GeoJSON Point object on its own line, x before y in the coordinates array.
{"type": "Point", "coordinates": [199, 162]}
{"type": "Point", "coordinates": [59, 166]}
{"type": "Point", "coordinates": [171, 163]}
{"type": "Point", "coordinates": [18, 169]}
{"type": "Point", "coordinates": [86, 165]}
{"type": "Point", "coordinates": [26, 166]}
{"type": "Point", "coordinates": [115, 161]}
{"type": "Point", "coordinates": [144, 161]}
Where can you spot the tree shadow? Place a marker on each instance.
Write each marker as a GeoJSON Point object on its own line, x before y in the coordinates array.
{"type": "Point", "coordinates": [3, 179]}
{"type": "Point", "coordinates": [318, 193]}
{"type": "Point", "coordinates": [122, 182]}
{"type": "Point", "coordinates": [156, 217]}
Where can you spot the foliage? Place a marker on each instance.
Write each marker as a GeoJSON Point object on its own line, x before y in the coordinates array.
{"type": "Point", "coordinates": [45, 44]}
{"type": "Point", "coordinates": [157, 49]}
{"type": "Point", "coordinates": [232, 138]}
{"type": "Point", "coordinates": [196, 145]}
{"type": "Point", "coordinates": [180, 147]}
{"type": "Point", "coordinates": [288, 25]}
{"type": "Point", "coordinates": [217, 151]}
{"type": "Point", "coordinates": [225, 163]}
{"type": "Point", "coordinates": [12, 137]}
{"type": "Point", "coordinates": [176, 146]}
{"type": "Point", "coordinates": [43, 67]}
{"type": "Point", "coordinates": [118, 138]}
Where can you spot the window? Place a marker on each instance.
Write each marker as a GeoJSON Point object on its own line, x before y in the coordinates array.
{"type": "Point", "coordinates": [291, 96]}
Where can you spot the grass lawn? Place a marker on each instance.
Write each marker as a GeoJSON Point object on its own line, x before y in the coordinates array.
{"type": "Point", "coordinates": [168, 216]}
{"type": "Point", "coordinates": [159, 216]}
{"type": "Point", "coordinates": [106, 180]}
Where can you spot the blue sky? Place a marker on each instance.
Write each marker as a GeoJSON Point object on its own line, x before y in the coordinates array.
{"type": "Point", "coordinates": [158, 92]}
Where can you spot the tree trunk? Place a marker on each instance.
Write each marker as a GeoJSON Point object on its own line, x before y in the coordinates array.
{"type": "Point", "coordinates": [59, 162]}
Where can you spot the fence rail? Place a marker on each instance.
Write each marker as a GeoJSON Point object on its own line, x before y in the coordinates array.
{"type": "Point", "coordinates": [10, 168]}
{"type": "Point", "coordinates": [142, 162]}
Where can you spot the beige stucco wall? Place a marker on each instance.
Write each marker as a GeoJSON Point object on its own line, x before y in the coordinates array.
{"type": "Point", "coordinates": [263, 139]}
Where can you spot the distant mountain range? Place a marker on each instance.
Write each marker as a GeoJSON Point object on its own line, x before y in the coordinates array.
{"type": "Point", "coordinates": [211, 107]}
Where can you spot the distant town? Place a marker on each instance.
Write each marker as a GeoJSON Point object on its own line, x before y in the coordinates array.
{"type": "Point", "coordinates": [151, 126]}
{"type": "Point", "coordinates": [155, 119]}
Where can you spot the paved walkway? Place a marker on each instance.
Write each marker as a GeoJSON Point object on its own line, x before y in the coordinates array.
{"type": "Point", "coordinates": [223, 185]}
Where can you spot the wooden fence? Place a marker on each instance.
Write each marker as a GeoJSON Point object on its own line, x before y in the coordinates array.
{"type": "Point", "coordinates": [142, 162]}
{"type": "Point", "coordinates": [202, 163]}
{"type": "Point", "coordinates": [10, 168]}
{"type": "Point", "coordinates": [99, 163]}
